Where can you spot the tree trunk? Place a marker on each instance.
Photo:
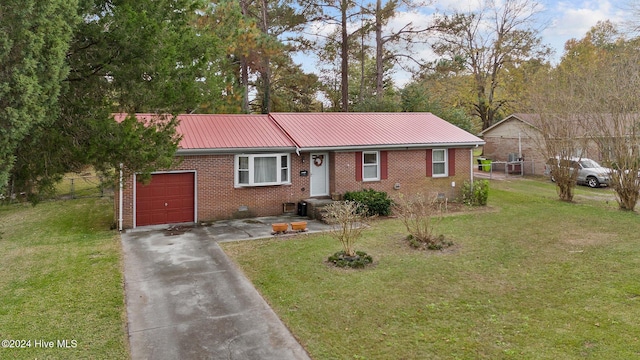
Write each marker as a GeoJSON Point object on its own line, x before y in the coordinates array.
{"type": "Point", "coordinates": [379, 52]}
{"type": "Point", "coordinates": [344, 47]}
{"type": "Point", "coordinates": [362, 64]}
{"type": "Point", "coordinates": [265, 74]}
{"type": "Point", "coordinates": [244, 69]}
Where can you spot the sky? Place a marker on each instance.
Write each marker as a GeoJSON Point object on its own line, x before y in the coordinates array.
{"type": "Point", "coordinates": [573, 18]}
{"type": "Point", "coordinates": [559, 21]}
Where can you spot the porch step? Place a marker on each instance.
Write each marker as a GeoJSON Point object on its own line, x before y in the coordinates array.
{"type": "Point", "coordinates": [315, 208]}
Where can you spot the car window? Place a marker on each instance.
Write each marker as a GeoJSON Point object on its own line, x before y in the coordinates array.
{"type": "Point", "coordinates": [568, 163]}
{"type": "Point", "coordinates": [588, 163]}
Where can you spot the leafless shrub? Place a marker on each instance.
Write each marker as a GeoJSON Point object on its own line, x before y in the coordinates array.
{"type": "Point", "coordinates": [420, 215]}
{"type": "Point", "coordinates": [347, 223]}
{"type": "Point", "coordinates": [559, 134]}
{"type": "Point", "coordinates": [612, 97]}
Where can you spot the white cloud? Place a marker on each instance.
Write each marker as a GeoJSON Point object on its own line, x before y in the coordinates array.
{"type": "Point", "coordinates": [321, 29]}
{"type": "Point", "coordinates": [565, 19]}
{"type": "Point", "coordinates": [457, 5]}
{"type": "Point", "coordinates": [572, 19]}
{"type": "Point", "coordinates": [403, 18]}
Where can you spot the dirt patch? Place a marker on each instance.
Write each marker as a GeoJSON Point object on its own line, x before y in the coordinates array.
{"type": "Point", "coordinates": [177, 230]}
{"type": "Point", "coordinates": [451, 209]}
{"type": "Point", "coordinates": [588, 239]}
{"type": "Point", "coordinates": [457, 208]}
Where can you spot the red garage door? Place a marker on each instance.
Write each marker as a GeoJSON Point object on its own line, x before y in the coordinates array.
{"type": "Point", "coordinates": [168, 198]}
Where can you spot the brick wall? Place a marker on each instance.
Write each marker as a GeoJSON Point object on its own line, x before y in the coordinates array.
{"type": "Point", "coordinates": [219, 199]}
{"type": "Point", "coordinates": [499, 148]}
{"type": "Point", "coordinates": [408, 168]}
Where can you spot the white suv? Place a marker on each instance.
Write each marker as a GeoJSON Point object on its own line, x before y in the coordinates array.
{"type": "Point", "coordinates": [590, 173]}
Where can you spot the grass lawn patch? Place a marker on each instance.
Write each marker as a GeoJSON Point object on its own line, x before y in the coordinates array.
{"type": "Point", "coordinates": [61, 281]}
{"type": "Point", "coordinates": [535, 278]}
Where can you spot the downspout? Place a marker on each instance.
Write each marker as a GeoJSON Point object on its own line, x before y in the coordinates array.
{"type": "Point", "coordinates": [120, 200]}
{"type": "Point", "coordinates": [471, 167]}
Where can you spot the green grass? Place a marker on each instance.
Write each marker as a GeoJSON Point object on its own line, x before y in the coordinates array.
{"type": "Point", "coordinates": [535, 278]}
{"type": "Point", "coordinates": [79, 186]}
{"type": "Point", "coordinates": [61, 279]}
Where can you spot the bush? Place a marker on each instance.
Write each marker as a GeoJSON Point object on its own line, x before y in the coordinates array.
{"type": "Point", "coordinates": [476, 196]}
{"type": "Point", "coordinates": [359, 260]}
{"type": "Point", "coordinates": [437, 243]}
{"type": "Point", "coordinates": [346, 222]}
{"type": "Point", "coordinates": [419, 216]}
{"type": "Point", "coordinates": [373, 202]}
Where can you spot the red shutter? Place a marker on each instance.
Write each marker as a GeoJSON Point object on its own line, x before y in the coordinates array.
{"type": "Point", "coordinates": [451, 157]}
{"type": "Point", "coordinates": [429, 163]}
{"type": "Point", "coordinates": [384, 169]}
{"type": "Point", "coordinates": [358, 165]}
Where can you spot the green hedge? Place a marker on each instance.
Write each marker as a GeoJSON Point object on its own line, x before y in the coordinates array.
{"type": "Point", "coordinates": [376, 202]}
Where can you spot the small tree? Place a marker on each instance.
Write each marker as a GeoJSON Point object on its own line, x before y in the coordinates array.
{"type": "Point", "coordinates": [559, 134]}
{"type": "Point", "coordinates": [347, 223]}
{"type": "Point", "coordinates": [420, 216]}
{"type": "Point", "coordinates": [612, 97]}
{"type": "Point", "coordinates": [592, 97]}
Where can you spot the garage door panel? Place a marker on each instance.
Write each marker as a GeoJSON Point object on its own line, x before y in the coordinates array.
{"type": "Point", "coordinates": [168, 198]}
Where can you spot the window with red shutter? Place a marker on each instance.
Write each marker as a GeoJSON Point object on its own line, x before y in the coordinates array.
{"type": "Point", "coordinates": [438, 162]}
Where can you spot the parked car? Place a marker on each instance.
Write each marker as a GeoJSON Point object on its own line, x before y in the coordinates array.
{"type": "Point", "coordinates": [590, 173]}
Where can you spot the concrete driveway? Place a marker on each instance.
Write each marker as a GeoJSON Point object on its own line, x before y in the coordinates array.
{"type": "Point", "coordinates": [186, 300]}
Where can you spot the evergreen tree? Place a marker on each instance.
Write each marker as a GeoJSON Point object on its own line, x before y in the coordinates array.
{"type": "Point", "coordinates": [34, 39]}
{"type": "Point", "coordinates": [129, 56]}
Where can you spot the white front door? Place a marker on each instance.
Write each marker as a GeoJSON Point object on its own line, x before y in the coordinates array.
{"type": "Point", "coordinates": [319, 173]}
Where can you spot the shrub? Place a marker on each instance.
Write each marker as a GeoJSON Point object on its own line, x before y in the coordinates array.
{"type": "Point", "coordinates": [347, 223]}
{"type": "Point", "coordinates": [438, 243]}
{"type": "Point", "coordinates": [476, 195]}
{"type": "Point", "coordinates": [371, 202]}
{"type": "Point", "coordinates": [419, 216]}
{"type": "Point", "coordinates": [359, 260]}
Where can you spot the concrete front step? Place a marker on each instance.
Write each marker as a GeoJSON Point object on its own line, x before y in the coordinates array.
{"type": "Point", "coordinates": [315, 207]}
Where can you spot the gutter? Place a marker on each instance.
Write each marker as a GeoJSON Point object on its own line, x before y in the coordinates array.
{"type": "Point", "coordinates": [471, 168]}
{"type": "Point", "coordinates": [391, 146]}
{"type": "Point", "coordinates": [187, 152]}
{"type": "Point", "coordinates": [297, 149]}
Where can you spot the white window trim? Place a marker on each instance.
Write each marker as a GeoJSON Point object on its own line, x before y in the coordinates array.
{"type": "Point", "coordinates": [445, 162]}
{"type": "Point", "coordinates": [251, 157]}
{"type": "Point", "coordinates": [377, 165]}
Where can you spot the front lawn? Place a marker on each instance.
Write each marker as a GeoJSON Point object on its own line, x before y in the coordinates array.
{"type": "Point", "coordinates": [61, 293]}
{"type": "Point", "coordinates": [533, 279]}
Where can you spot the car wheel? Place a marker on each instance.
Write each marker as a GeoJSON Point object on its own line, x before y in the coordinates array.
{"type": "Point", "coordinates": [592, 182]}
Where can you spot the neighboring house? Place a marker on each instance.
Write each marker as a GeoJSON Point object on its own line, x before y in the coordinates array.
{"type": "Point", "coordinates": [515, 136]}
{"type": "Point", "coordinates": [255, 165]}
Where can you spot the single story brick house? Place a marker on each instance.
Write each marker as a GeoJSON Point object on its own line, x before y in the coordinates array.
{"type": "Point", "coordinates": [258, 165]}
{"type": "Point", "coordinates": [519, 135]}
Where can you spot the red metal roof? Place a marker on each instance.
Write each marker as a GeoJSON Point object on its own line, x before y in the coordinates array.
{"type": "Point", "coordinates": [315, 130]}
{"type": "Point", "coordinates": [227, 131]}
{"type": "Point", "coordinates": [230, 131]}
{"type": "Point", "coordinates": [318, 130]}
